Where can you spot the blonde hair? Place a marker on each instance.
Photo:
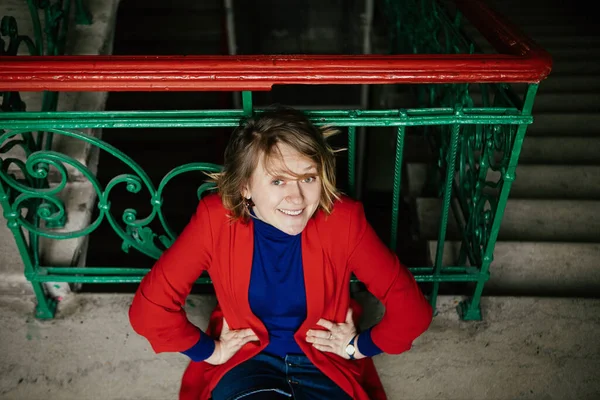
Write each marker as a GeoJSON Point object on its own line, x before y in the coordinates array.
{"type": "Point", "coordinates": [258, 136]}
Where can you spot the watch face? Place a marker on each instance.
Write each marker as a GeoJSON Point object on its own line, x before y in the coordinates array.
{"type": "Point", "coordinates": [350, 350]}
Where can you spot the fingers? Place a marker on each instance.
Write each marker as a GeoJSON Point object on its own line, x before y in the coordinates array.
{"type": "Point", "coordinates": [234, 341]}
{"type": "Point", "coordinates": [234, 344]}
{"type": "Point", "coordinates": [246, 332]}
{"type": "Point", "coordinates": [336, 336]}
{"type": "Point", "coordinates": [248, 335]}
{"type": "Point", "coordinates": [240, 333]}
{"type": "Point", "coordinates": [325, 324]}
{"type": "Point", "coordinates": [318, 334]}
{"type": "Point", "coordinates": [320, 341]}
{"type": "Point", "coordinates": [229, 343]}
{"type": "Point", "coordinates": [326, 348]}
{"type": "Point", "coordinates": [242, 336]}
{"type": "Point", "coordinates": [250, 338]}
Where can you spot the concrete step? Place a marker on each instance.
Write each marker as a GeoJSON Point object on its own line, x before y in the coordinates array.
{"type": "Point", "coordinates": [537, 268]}
{"type": "Point", "coordinates": [536, 19]}
{"type": "Point", "coordinates": [559, 52]}
{"type": "Point", "coordinates": [559, 88]}
{"type": "Point", "coordinates": [533, 181]}
{"type": "Point", "coordinates": [541, 30]}
{"type": "Point", "coordinates": [563, 102]}
{"type": "Point", "coordinates": [551, 13]}
{"type": "Point", "coordinates": [547, 150]}
{"type": "Point", "coordinates": [12, 270]}
{"type": "Point", "coordinates": [569, 86]}
{"type": "Point", "coordinates": [574, 83]}
{"type": "Point", "coordinates": [560, 150]}
{"type": "Point", "coordinates": [546, 101]}
{"type": "Point", "coordinates": [549, 42]}
{"type": "Point", "coordinates": [551, 10]}
{"type": "Point", "coordinates": [525, 220]}
{"type": "Point", "coordinates": [78, 199]}
{"type": "Point", "coordinates": [565, 67]}
{"type": "Point", "coordinates": [556, 10]}
{"type": "Point", "coordinates": [526, 347]}
{"type": "Point", "coordinates": [565, 124]}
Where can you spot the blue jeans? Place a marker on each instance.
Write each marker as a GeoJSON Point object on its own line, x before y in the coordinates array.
{"type": "Point", "coordinates": [268, 377]}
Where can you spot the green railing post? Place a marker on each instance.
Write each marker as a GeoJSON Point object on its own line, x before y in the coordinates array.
{"type": "Point", "coordinates": [352, 160]}
{"type": "Point", "coordinates": [470, 309]}
{"type": "Point", "coordinates": [248, 107]}
{"type": "Point", "coordinates": [397, 186]}
{"type": "Point", "coordinates": [46, 307]}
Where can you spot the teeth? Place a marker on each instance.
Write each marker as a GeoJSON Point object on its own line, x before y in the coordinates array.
{"type": "Point", "coordinates": [287, 212]}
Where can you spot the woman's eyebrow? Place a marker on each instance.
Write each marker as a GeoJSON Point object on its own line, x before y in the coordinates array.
{"type": "Point", "coordinates": [285, 175]}
{"type": "Point", "coordinates": [310, 170]}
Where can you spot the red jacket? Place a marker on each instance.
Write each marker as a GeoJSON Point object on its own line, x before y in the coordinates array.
{"type": "Point", "coordinates": [333, 247]}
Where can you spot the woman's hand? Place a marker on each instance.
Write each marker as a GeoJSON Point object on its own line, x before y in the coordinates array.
{"type": "Point", "coordinates": [229, 343]}
{"type": "Point", "coordinates": [335, 337]}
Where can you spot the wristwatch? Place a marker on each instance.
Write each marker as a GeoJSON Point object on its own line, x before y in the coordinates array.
{"type": "Point", "coordinates": [350, 348]}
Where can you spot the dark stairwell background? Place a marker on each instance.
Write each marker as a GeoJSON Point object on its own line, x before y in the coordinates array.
{"type": "Point", "coordinates": [189, 27]}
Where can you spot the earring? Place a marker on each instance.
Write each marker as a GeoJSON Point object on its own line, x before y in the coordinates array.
{"type": "Point", "coordinates": [248, 202]}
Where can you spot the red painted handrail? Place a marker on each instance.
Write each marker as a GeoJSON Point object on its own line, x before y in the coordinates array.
{"type": "Point", "coordinates": [521, 60]}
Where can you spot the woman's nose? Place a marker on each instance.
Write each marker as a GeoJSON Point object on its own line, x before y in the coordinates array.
{"type": "Point", "coordinates": [294, 194]}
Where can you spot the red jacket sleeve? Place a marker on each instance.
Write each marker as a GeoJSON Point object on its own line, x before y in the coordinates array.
{"type": "Point", "coordinates": [407, 312]}
{"type": "Point", "coordinates": [157, 309]}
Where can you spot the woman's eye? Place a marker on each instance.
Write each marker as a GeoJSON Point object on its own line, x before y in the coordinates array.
{"type": "Point", "coordinates": [310, 179]}
{"type": "Point", "coordinates": [277, 182]}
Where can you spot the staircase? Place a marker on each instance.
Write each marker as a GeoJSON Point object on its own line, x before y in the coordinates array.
{"type": "Point", "coordinates": [549, 242]}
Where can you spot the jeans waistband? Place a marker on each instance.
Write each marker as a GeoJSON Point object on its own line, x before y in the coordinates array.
{"type": "Point", "coordinates": [297, 359]}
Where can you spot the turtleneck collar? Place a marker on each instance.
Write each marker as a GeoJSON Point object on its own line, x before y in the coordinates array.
{"type": "Point", "coordinates": [269, 231]}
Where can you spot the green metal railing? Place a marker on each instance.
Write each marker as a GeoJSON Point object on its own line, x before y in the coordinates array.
{"type": "Point", "coordinates": [469, 139]}
{"type": "Point", "coordinates": [476, 163]}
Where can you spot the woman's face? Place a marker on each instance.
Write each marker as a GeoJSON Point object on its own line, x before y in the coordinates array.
{"type": "Point", "coordinates": [280, 199]}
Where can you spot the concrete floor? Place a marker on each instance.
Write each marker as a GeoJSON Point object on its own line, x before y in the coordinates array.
{"type": "Point", "coordinates": [526, 348]}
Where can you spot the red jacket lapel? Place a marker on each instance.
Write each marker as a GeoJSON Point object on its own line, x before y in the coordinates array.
{"type": "Point", "coordinates": [314, 280]}
{"type": "Point", "coordinates": [241, 251]}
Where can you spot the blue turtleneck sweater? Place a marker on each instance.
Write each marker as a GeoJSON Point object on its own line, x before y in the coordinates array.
{"type": "Point", "coordinates": [277, 294]}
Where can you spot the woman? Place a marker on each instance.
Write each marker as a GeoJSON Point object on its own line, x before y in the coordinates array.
{"type": "Point", "coordinates": [280, 244]}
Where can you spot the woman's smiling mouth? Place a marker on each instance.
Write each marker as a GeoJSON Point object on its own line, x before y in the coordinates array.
{"type": "Point", "coordinates": [292, 213]}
